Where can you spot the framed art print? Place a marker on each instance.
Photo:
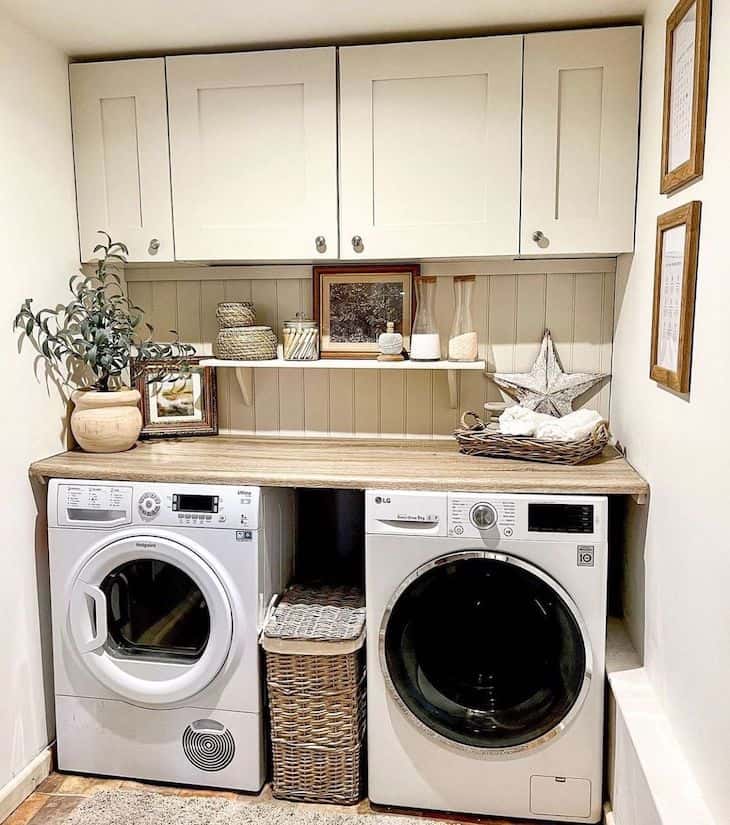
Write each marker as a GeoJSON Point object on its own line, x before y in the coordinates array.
{"type": "Point", "coordinates": [353, 305]}
{"type": "Point", "coordinates": [686, 70]}
{"type": "Point", "coordinates": [675, 275]}
{"type": "Point", "coordinates": [177, 406]}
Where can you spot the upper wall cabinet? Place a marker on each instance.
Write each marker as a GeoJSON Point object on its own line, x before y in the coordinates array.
{"type": "Point", "coordinates": [253, 141]}
{"type": "Point", "coordinates": [579, 141]}
{"type": "Point", "coordinates": [430, 148]}
{"type": "Point", "coordinates": [119, 112]}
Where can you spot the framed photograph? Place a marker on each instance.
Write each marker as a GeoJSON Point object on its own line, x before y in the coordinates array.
{"type": "Point", "coordinates": [353, 305]}
{"type": "Point", "coordinates": [686, 70]}
{"type": "Point", "coordinates": [675, 275]}
{"type": "Point", "coordinates": [174, 407]}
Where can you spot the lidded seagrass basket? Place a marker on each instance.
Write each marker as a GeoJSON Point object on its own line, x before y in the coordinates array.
{"type": "Point", "coordinates": [314, 643]}
{"type": "Point", "coordinates": [235, 314]}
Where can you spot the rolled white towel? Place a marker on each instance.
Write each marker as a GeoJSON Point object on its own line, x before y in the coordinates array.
{"type": "Point", "coordinates": [518, 420]}
{"type": "Point", "coordinates": [570, 427]}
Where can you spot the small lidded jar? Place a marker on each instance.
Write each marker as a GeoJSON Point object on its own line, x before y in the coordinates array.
{"type": "Point", "coordinates": [463, 340]}
{"type": "Point", "coordinates": [301, 339]}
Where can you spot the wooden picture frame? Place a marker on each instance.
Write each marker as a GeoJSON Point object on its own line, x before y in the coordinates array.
{"type": "Point", "coordinates": [198, 392]}
{"type": "Point", "coordinates": [686, 72]}
{"type": "Point", "coordinates": [675, 276]}
{"type": "Point", "coordinates": [327, 278]}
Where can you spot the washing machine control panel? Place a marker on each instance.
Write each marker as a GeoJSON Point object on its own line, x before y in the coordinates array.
{"type": "Point", "coordinates": [107, 505]}
{"type": "Point", "coordinates": [499, 516]}
{"type": "Point", "coordinates": [198, 505]}
{"type": "Point", "coordinates": [472, 516]}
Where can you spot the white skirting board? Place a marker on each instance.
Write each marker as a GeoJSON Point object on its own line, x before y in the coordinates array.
{"type": "Point", "coordinates": [24, 783]}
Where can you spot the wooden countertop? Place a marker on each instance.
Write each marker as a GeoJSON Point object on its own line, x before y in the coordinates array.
{"type": "Point", "coordinates": [360, 464]}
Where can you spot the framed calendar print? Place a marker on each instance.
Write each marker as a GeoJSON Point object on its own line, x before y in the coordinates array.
{"type": "Point", "coordinates": [675, 275]}
{"type": "Point", "coordinates": [686, 70]}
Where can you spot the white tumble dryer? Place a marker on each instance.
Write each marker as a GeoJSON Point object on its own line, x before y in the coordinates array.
{"type": "Point", "coordinates": [486, 622]}
{"type": "Point", "coordinates": [158, 592]}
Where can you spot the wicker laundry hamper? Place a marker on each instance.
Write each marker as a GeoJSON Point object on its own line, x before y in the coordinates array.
{"type": "Point", "coordinates": [314, 643]}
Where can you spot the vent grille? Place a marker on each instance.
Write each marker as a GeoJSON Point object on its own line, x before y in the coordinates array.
{"type": "Point", "coordinates": [208, 745]}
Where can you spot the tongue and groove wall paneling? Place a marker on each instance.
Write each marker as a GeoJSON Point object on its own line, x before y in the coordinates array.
{"type": "Point", "coordinates": [510, 311]}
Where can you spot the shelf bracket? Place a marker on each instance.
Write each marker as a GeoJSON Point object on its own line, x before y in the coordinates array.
{"type": "Point", "coordinates": [244, 377]}
{"type": "Point", "coordinates": [640, 498]}
{"type": "Point", "coordinates": [453, 389]}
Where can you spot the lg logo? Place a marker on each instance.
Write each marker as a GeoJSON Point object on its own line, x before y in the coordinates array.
{"type": "Point", "coordinates": [382, 499]}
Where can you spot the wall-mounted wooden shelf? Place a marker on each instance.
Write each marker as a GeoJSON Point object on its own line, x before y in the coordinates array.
{"type": "Point", "coordinates": [244, 374]}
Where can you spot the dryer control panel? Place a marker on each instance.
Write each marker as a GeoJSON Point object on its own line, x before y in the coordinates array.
{"type": "Point", "coordinates": [107, 505]}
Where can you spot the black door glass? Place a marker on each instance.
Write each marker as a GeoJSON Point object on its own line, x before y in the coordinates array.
{"type": "Point", "coordinates": [155, 611]}
{"type": "Point", "coordinates": [485, 653]}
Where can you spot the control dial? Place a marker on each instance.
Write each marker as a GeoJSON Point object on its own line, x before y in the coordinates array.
{"type": "Point", "coordinates": [483, 516]}
{"type": "Point", "coordinates": [149, 505]}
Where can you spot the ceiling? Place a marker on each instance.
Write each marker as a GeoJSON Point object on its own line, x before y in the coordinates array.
{"type": "Point", "coordinates": [98, 28]}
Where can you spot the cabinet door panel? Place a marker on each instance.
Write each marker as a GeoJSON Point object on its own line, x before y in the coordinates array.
{"type": "Point", "coordinates": [254, 148]}
{"type": "Point", "coordinates": [119, 114]}
{"type": "Point", "coordinates": [580, 133]}
{"type": "Point", "coordinates": [430, 148]}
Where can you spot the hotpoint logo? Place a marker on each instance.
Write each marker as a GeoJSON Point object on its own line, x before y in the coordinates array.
{"type": "Point", "coordinates": [145, 544]}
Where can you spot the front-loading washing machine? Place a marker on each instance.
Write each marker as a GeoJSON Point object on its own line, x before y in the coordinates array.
{"type": "Point", "coordinates": [158, 592]}
{"type": "Point", "coordinates": [486, 622]}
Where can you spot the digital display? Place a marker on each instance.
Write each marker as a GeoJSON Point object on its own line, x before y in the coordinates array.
{"type": "Point", "coordinates": [560, 518]}
{"type": "Point", "coordinates": [195, 503]}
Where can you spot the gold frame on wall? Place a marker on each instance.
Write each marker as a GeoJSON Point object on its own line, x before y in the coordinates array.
{"type": "Point", "coordinates": [693, 167]}
{"type": "Point", "coordinates": [682, 322]}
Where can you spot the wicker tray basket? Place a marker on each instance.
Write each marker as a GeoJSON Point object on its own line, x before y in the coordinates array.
{"type": "Point", "coordinates": [246, 344]}
{"type": "Point", "coordinates": [235, 314]}
{"type": "Point", "coordinates": [475, 438]}
{"type": "Point", "coordinates": [315, 662]}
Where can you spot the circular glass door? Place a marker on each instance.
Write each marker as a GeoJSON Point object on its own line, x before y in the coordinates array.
{"type": "Point", "coordinates": [151, 620]}
{"type": "Point", "coordinates": [155, 611]}
{"type": "Point", "coordinates": [486, 651]}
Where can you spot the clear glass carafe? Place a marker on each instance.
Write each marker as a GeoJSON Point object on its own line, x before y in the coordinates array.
{"type": "Point", "coordinates": [463, 341]}
{"type": "Point", "coordinates": [425, 340]}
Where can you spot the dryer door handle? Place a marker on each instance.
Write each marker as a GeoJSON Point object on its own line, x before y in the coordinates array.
{"type": "Point", "coordinates": [97, 617]}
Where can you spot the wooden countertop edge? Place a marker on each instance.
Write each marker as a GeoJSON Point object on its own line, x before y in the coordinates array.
{"type": "Point", "coordinates": [495, 475]}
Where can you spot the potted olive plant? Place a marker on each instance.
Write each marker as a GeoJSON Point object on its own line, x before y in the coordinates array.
{"type": "Point", "coordinates": [92, 344]}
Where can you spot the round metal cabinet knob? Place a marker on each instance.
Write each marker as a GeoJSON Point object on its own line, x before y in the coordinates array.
{"type": "Point", "coordinates": [538, 236]}
{"type": "Point", "coordinates": [483, 516]}
{"type": "Point", "coordinates": [154, 246]}
{"type": "Point", "coordinates": [320, 243]}
{"type": "Point", "coordinates": [357, 243]}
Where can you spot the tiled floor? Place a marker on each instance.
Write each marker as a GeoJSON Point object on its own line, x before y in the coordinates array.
{"type": "Point", "coordinates": [59, 794]}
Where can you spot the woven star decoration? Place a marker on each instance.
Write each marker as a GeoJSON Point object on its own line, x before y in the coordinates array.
{"type": "Point", "coordinates": [546, 388]}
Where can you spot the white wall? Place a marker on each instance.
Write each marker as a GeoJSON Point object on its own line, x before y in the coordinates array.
{"type": "Point", "coordinates": [39, 252]}
{"type": "Point", "coordinates": [680, 443]}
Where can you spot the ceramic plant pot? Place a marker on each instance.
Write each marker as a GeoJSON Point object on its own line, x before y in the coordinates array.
{"type": "Point", "coordinates": [106, 422]}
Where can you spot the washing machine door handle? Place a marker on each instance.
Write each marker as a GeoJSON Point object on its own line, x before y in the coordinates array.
{"type": "Point", "coordinates": [93, 614]}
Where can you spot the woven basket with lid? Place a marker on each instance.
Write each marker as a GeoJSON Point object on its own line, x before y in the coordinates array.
{"type": "Point", "coordinates": [314, 643]}
{"type": "Point", "coordinates": [235, 314]}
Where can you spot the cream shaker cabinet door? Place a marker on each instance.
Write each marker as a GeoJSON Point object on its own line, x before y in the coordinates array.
{"type": "Point", "coordinates": [253, 142]}
{"type": "Point", "coordinates": [430, 148]}
{"type": "Point", "coordinates": [119, 113]}
{"type": "Point", "coordinates": [580, 134]}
